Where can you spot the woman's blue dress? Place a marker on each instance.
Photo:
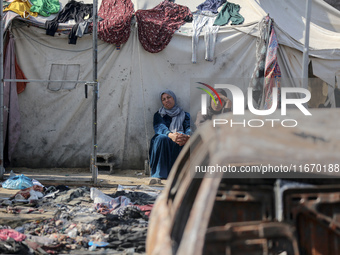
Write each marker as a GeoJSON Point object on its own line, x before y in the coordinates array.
{"type": "Point", "coordinates": [163, 151]}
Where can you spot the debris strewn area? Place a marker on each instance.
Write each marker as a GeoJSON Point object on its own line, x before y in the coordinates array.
{"type": "Point", "coordinates": [48, 217]}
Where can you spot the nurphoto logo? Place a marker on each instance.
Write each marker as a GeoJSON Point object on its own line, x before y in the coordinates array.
{"type": "Point", "coordinates": [238, 105]}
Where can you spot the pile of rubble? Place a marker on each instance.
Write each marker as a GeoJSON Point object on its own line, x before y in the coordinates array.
{"type": "Point", "coordinates": [84, 220]}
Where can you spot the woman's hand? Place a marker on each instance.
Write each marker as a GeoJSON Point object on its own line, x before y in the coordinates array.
{"type": "Point", "coordinates": [179, 138]}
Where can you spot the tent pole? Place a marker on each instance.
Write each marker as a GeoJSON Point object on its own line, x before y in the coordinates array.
{"type": "Point", "coordinates": [2, 170]}
{"type": "Point", "coordinates": [305, 58]}
{"type": "Point", "coordinates": [94, 168]}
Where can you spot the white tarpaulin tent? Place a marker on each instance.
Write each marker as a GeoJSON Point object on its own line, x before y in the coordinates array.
{"type": "Point", "coordinates": [56, 122]}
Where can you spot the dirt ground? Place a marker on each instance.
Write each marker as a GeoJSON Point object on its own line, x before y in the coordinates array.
{"type": "Point", "coordinates": [76, 177]}
{"type": "Point", "coordinates": [73, 177]}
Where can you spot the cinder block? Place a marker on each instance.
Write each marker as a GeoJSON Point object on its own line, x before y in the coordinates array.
{"type": "Point", "coordinates": [105, 159]}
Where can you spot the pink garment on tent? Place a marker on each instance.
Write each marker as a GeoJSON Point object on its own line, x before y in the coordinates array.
{"type": "Point", "coordinates": [272, 71]}
{"type": "Point", "coordinates": [116, 24]}
{"type": "Point", "coordinates": [10, 233]}
{"type": "Point", "coordinates": [12, 128]}
{"type": "Point", "coordinates": [157, 26]}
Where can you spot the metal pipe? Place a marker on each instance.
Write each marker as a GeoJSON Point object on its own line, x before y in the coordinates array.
{"type": "Point", "coordinates": [94, 167]}
{"type": "Point", "coordinates": [2, 170]}
{"type": "Point", "coordinates": [29, 80]}
{"type": "Point", "coordinates": [305, 57]}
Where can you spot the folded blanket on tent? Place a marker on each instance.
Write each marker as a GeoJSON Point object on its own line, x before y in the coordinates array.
{"type": "Point", "coordinates": [157, 26]}
{"type": "Point", "coordinates": [116, 24]}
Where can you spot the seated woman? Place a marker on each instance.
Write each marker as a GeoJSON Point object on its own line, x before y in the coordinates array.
{"type": "Point", "coordinates": [172, 128]}
{"type": "Point", "coordinates": [214, 109]}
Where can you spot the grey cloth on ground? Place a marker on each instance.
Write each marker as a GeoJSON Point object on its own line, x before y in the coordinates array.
{"type": "Point", "coordinates": [129, 212]}
{"type": "Point", "coordinates": [67, 196]}
{"type": "Point", "coordinates": [139, 198]}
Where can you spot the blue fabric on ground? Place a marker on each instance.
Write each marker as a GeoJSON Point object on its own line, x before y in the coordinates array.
{"type": "Point", "coordinates": [17, 182]}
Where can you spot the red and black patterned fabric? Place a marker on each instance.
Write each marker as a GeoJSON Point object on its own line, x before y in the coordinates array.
{"type": "Point", "coordinates": [156, 26]}
{"type": "Point", "coordinates": [116, 24]}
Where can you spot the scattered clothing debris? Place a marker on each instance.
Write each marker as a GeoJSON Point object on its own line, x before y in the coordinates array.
{"type": "Point", "coordinates": [83, 219]}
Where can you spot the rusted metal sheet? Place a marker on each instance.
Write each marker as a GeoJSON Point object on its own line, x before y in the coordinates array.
{"type": "Point", "coordinates": [197, 224]}
{"type": "Point", "coordinates": [317, 233]}
{"type": "Point", "coordinates": [239, 203]}
{"type": "Point", "coordinates": [181, 212]}
{"type": "Point", "coordinates": [245, 238]}
{"type": "Point", "coordinates": [323, 199]}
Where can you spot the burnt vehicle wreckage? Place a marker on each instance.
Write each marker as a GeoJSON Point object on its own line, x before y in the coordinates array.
{"type": "Point", "coordinates": [221, 212]}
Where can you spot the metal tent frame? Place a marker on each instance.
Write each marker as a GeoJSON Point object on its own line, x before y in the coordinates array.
{"type": "Point", "coordinates": [94, 84]}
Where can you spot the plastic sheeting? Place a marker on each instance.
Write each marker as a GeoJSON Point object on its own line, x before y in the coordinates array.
{"type": "Point", "coordinates": [56, 124]}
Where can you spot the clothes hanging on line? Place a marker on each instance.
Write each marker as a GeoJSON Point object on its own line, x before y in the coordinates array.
{"type": "Point", "coordinates": [229, 12]}
{"type": "Point", "coordinates": [156, 26]}
{"type": "Point", "coordinates": [211, 5]}
{"type": "Point", "coordinates": [272, 72]}
{"type": "Point", "coordinates": [22, 8]}
{"type": "Point", "coordinates": [257, 78]}
{"type": "Point", "coordinates": [115, 27]}
{"type": "Point", "coordinates": [204, 19]}
{"type": "Point", "coordinates": [45, 7]}
{"type": "Point", "coordinates": [73, 10]}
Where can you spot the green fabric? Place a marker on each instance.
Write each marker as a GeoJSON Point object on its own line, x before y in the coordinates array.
{"type": "Point", "coordinates": [228, 12]}
{"type": "Point", "coordinates": [45, 7]}
{"type": "Point", "coordinates": [5, 4]}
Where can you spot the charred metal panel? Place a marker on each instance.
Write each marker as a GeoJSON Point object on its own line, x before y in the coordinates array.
{"type": "Point", "coordinates": [323, 199]}
{"type": "Point", "coordinates": [251, 238]}
{"type": "Point", "coordinates": [236, 203]}
{"type": "Point", "coordinates": [317, 233]}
